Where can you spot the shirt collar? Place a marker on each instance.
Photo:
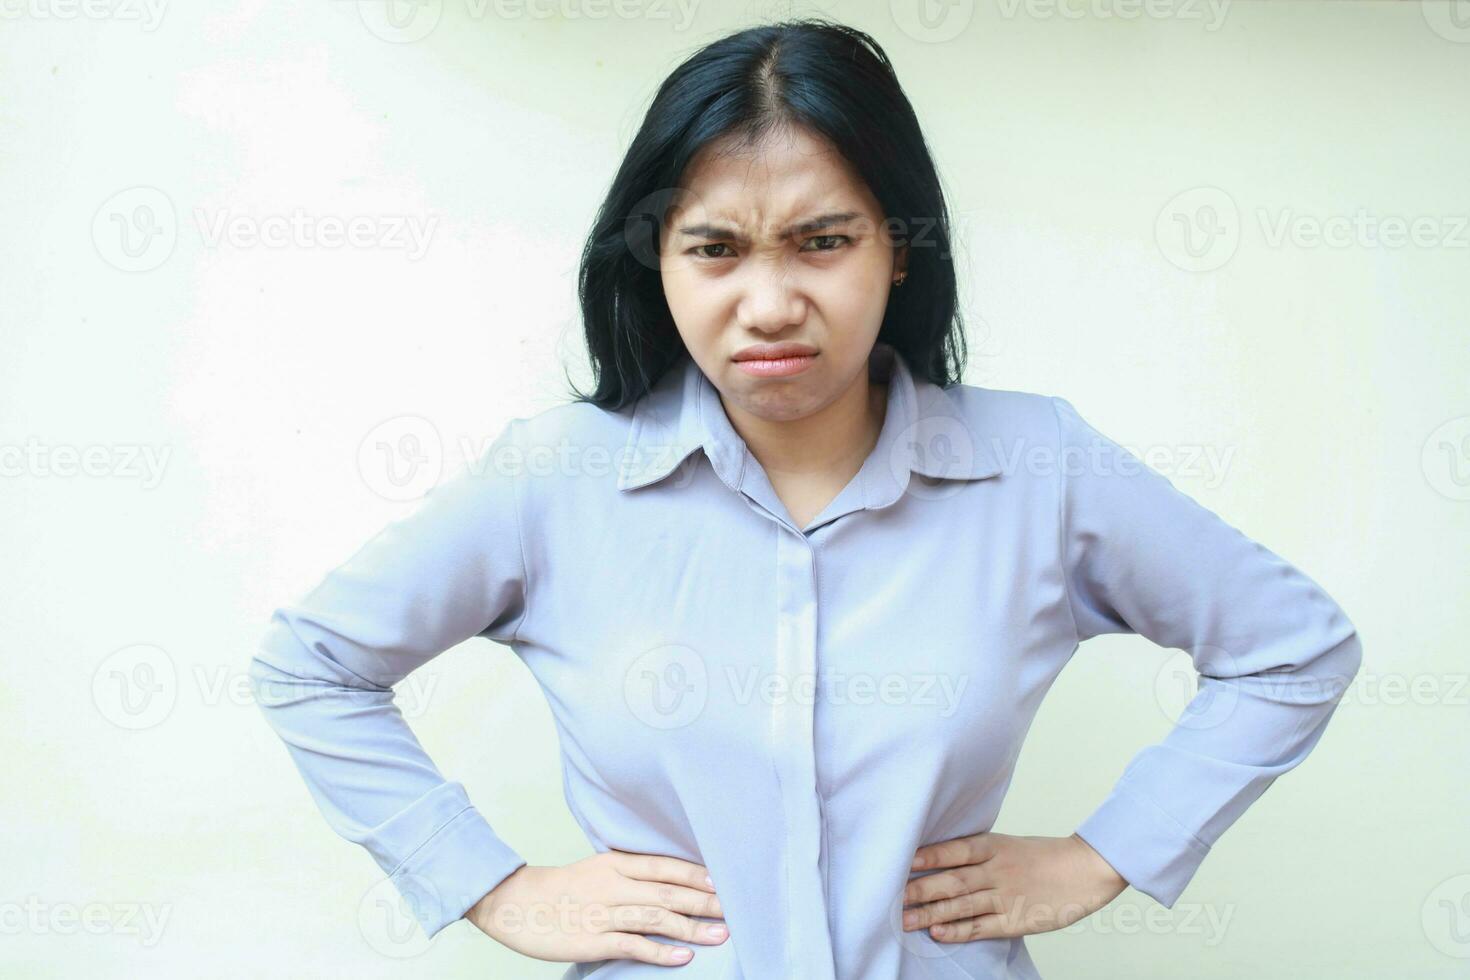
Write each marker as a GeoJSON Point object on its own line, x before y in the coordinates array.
{"type": "Point", "coordinates": [924, 431]}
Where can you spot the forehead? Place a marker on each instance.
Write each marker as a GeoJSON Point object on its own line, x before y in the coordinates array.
{"type": "Point", "coordinates": [782, 177]}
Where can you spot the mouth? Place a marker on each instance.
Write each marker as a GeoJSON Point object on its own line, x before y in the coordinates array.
{"type": "Point", "coordinates": [775, 360]}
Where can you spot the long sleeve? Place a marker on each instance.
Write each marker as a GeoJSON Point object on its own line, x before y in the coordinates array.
{"type": "Point", "coordinates": [450, 570]}
{"type": "Point", "coordinates": [1273, 651]}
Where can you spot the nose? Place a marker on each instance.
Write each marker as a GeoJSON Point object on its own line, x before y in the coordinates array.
{"type": "Point", "coordinates": [772, 300]}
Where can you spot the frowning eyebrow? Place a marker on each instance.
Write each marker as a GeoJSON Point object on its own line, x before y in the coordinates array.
{"type": "Point", "coordinates": [800, 228]}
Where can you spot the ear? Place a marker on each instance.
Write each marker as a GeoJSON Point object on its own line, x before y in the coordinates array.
{"type": "Point", "coordinates": [900, 259]}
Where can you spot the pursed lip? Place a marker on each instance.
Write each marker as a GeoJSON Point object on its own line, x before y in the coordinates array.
{"type": "Point", "coordinates": [772, 352]}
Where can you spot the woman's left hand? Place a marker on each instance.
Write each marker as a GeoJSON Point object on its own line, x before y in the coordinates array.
{"type": "Point", "coordinates": [1003, 886]}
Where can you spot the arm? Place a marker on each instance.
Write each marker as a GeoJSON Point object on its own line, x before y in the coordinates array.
{"type": "Point", "coordinates": [323, 676]}
{"type": "Point", "coordinates": [1273, 650]}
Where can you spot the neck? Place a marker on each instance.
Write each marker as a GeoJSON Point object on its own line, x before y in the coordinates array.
{"type": "Point", "coordinates": [835, 439]}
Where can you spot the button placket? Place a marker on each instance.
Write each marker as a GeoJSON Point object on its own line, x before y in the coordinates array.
{"type": "Point", "coordinates": [793, 746]}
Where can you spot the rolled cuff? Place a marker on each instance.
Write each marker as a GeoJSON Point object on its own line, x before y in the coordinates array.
{"type": "Point", "coordinates": [1145, 845]}
{"type": "Point", "coordinates": [455, 868]}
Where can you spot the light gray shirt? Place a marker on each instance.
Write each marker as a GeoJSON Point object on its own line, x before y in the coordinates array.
{"type": "Point", "coordinates": [801, 708]}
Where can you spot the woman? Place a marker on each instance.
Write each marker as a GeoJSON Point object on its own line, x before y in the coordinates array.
{"type": "Point", "coordinates": [794, 593]}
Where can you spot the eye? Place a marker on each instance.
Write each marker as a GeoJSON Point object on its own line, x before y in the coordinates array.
{"type": "Point", "coordinates": [698, 250]}
{"type": "Point", "coordinates": [835, 239]}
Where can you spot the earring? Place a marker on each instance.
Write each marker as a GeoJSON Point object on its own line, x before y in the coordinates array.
{"type": "Point", "coordinates": [898, 280]}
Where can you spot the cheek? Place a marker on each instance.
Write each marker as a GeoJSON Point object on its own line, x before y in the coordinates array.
{"type": "Point", "coordinates": [693, 308]}
{"type": "Point", "coordinates": [857, 298]}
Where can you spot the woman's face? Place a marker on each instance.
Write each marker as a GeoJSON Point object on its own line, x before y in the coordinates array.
{"type": "Point", "coordinates": [782, 244]}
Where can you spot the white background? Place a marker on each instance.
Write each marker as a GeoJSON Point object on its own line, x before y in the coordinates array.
{"type": "Point", "coordinates": [152, 823]}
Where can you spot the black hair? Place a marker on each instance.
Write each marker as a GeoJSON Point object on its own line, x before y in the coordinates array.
{"type": "Point", "coordinates": [832, 80]}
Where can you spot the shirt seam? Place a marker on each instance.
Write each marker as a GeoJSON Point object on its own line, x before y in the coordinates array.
{"type": "Point", "coordinates": [1062, 529]}
{"type": "Point", "coordinates": [425, 843]}
{"type": "Point", "coordinates": [1126, 790]}
{"type": "Point", "coordinates": [515, 507]}
{"type": "Point", "coordinates": [372, 686]}
{"type": "Point", "coordinates": [827, 852]}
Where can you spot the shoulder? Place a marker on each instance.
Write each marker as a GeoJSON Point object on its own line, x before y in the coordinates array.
{"type": "Point", "coordinates": [1005, 412]}
{"type": "Point", "coordinates": [573, 423]}
{"type": "Point", "coordinates": [1029, 431]}
{"type": "Point", "coordinates": [570, 448]}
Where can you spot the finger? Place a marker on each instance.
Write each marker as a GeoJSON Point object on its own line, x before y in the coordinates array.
{"type": "Point", "coordinates": [659, 867]}
{"type": "Point", "coordinates": [626, 946]}
{"type": "Point", "coordinates": [981, 927]}
{"type": "Point", "coordinates": [951, 853]}
{"type": "Point", "coordinates": [947, 884]}
{"type": "Point", "coordinates": [961, 907]}
{"type": "Point", "coordinates": [676, 898]}
{"type": "Point", "coordinates": [661, 922]}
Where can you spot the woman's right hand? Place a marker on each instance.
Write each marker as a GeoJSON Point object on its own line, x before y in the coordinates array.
{"type": "Point", "coordinates": [600, 907]}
